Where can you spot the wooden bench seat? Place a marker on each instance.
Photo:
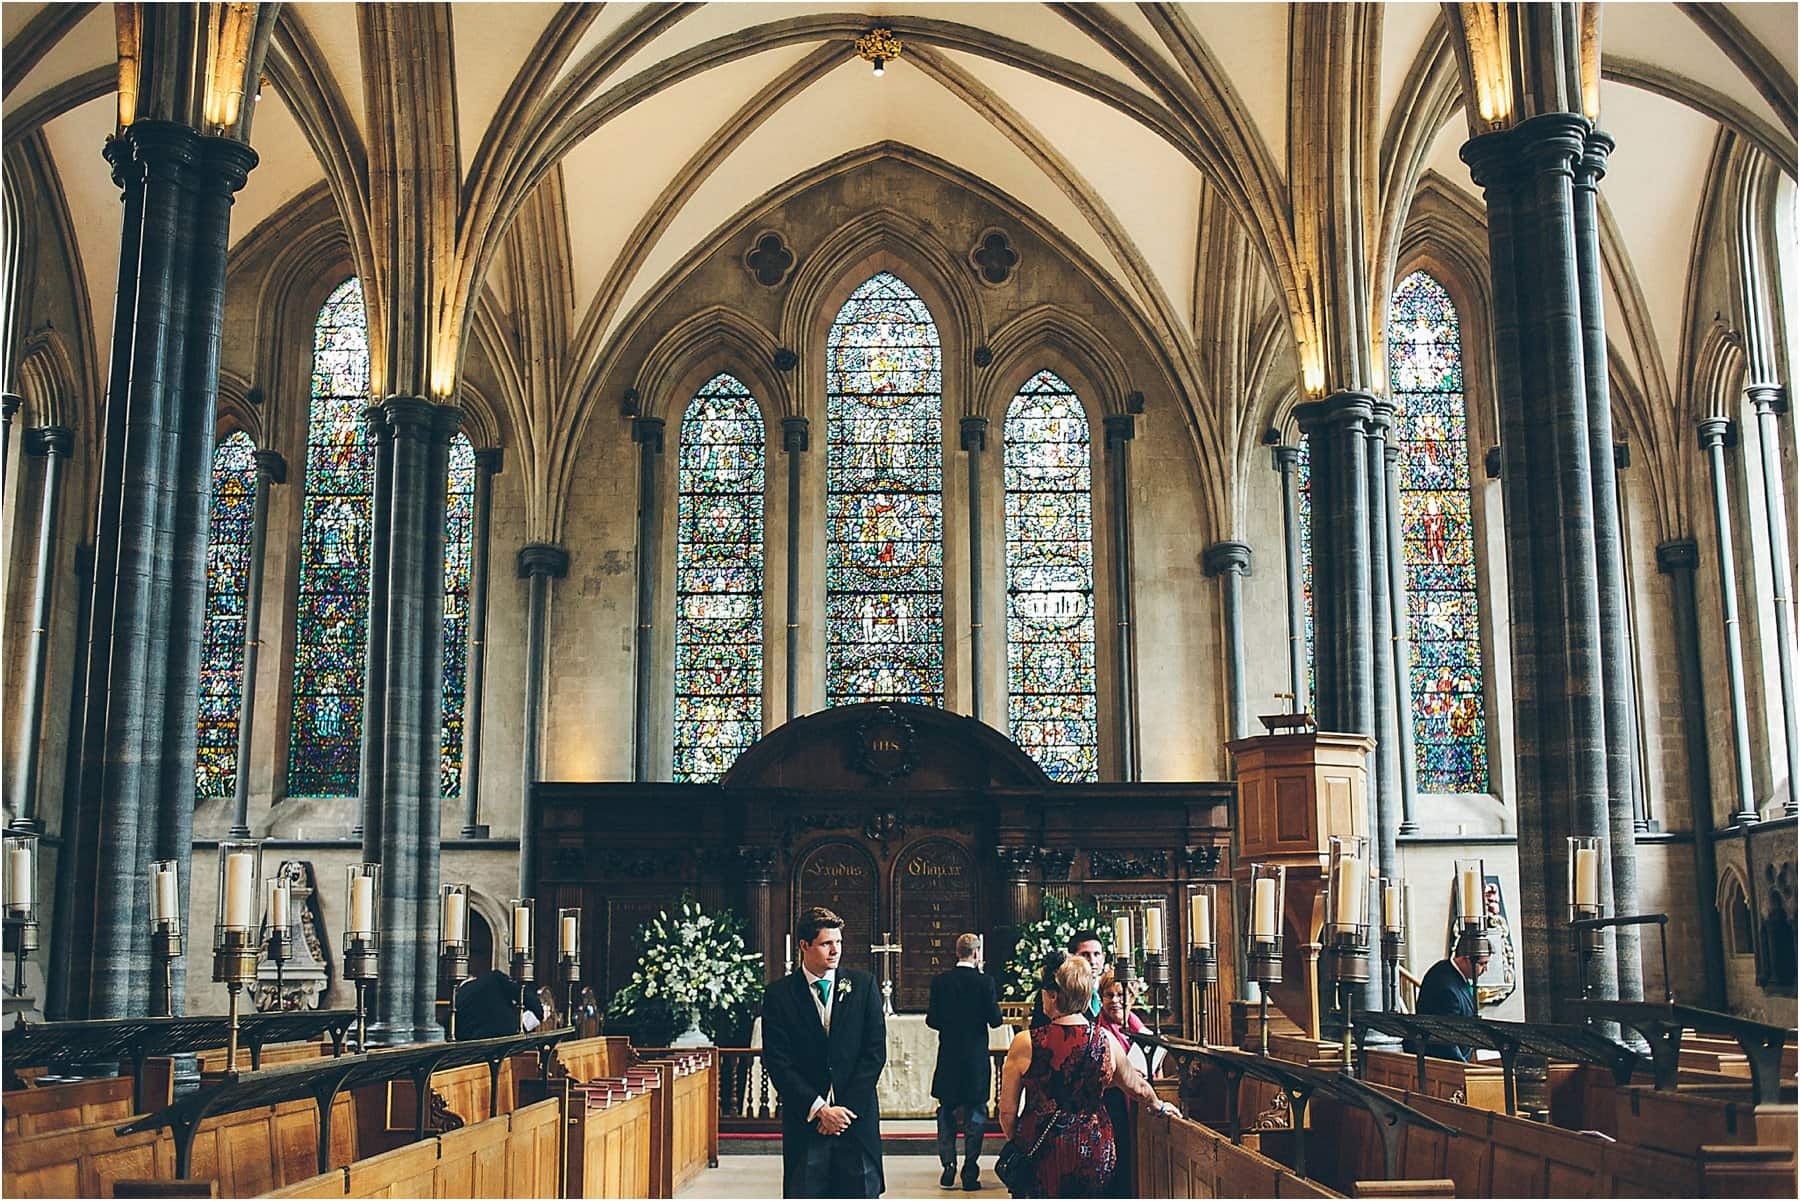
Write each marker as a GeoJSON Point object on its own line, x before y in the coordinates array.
{"type": "Point", "coordinates": [51, 1107]}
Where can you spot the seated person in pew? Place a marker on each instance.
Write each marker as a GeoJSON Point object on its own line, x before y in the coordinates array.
{"type": "Point", "coordinates": [485, 1007]}
{"type": "Point", "coordinates": [1447, 990]}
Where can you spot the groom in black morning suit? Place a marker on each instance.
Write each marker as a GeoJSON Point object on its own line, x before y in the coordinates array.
{"type": "Point", "coordinates": [824, 1045]}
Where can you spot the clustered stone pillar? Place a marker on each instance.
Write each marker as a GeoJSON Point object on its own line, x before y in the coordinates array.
{"type": "Point", "coordinates": [1716, 433]}
{"type": "Point", "coordinates": [9, 408]}
{"type": "Point", "coordinates": [1344, 628]}
{"type": "Point", "coordinates": [1121, 428]}
{"type": "Point", "coordinates": [794, 441]}
{"type": "Point", "coordinates": [410, 819]}
{"type": "Point", "coordinates": [1548, 482]}
{"type": "Point", "coordinates": [1287, 462]}
{"type": "Point", "coordinates": [647, 432]}
{"type": "Point", "coordinates": [271, 469]}
{"type": "Point", "coordinates": [381, 507]}
{"type": "Point", "coordinates": [487, 465]}
{"type": "Point", "coordinates": [62, 988]}
{"type": "Point", "coordinates": [974, 441]}
{"type": "Point", "coordinates": [1390, 698]}
{"type": "Point", "coordinates": [539, 563]}
{"type": "Point", "coordinates": [1229, 562]}
{"type": "Point", "coordinates": [1677, 559]}
{"type": "Point", "coordinates": [1399, 626]}
{"type": "Point", "coordinates": [53, 443]}
{"type": "Point", "coordinates": [1609, 565]}
{"type": "Point", "coordinates": [139, 736]}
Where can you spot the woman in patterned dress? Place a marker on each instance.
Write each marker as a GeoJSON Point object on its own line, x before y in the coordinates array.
{"type": "Point", "coordinates": [1063, 1068]}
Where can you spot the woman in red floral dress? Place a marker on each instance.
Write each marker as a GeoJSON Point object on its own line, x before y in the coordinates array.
{"type": "Point", "coordinates": [1063, 1068]}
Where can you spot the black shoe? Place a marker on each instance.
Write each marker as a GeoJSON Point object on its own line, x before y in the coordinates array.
{"type": "Point", "coordinates": [948, 1179]}
{"type": "Point", "coordinates": [971, 1181]}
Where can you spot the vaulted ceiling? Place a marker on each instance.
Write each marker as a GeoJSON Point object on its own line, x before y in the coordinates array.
{"type": "Point", "coordinates": [1127, 127]}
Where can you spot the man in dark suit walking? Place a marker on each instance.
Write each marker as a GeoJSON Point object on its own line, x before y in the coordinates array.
{"type": "Point", "coordinates": [1447, 989]}
{"type": "Point", "coordinates": [965, 1004]}
{"type": "Point", "coordinates": [824, 1045]}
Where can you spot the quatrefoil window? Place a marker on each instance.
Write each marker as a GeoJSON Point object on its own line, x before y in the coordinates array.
{"type": "Point", "coordinates": [769, 259]}
{"type": "Point", "coordinates": [993, 257]}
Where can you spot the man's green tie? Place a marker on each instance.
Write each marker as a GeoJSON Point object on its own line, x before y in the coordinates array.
{"type": "Point", "coordinates": [824, 987]}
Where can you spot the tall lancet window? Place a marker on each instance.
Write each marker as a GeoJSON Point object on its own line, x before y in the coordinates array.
{"type": "Point", "coordinates": [1051, 704]}
{"type": "Point", "coordinates": [1425, 374]}
{"type": "Point", "coordinates": [884, 505]}
{"type": "Point", "coordinates": [718, 581]}
{"type": "Point", "coordinates": [227, 594]}
{"type": "Point", "coordinates": [331, 619]}
{"type": "Point", "coordinates": [459, 522]}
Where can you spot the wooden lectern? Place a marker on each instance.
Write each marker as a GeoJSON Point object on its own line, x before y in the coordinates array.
{"type": "Point", "coordinates": [1295, 790]}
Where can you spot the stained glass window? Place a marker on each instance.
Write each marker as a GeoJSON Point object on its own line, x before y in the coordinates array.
{"type": "Point", "coordinates": [331, 621]}
{"type": "Point", "coordinates": [227, 592]}
{"type": "Point", "coordinates": [718, 581]}
{"type": "Point", "coordinates": [459, 521]}
{"type": "Point", "coordinates": [1051, 703]}
{"type": "Point", "coordinates": [1425, 374]}
{"type": "Point", "coordinates": [884, 509]}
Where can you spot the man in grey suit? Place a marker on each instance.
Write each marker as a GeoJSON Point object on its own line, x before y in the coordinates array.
{"type": "Point", "coordinates": [824, 1046]}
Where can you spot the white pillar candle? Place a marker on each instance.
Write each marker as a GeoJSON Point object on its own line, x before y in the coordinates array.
{"type": "Point", "coordinates": [1122, 937]}
{"type": "Point", "coordinates": [1470, 907]}
{"type": "Point", "coordinates": [1153, 932]}
{"type": "Point", "coordinates": [18, 881]}
{"type": "Point", "coordinates": [239, 891]}
{"type": "Point", "coordinates": [1200, 917]}
{"type": "Point", "coordinates": [163, 897]}
{"type": "Point", "coordinates": [1390, 906]}
{"type": "Point", "coordinates": [1587, 876]}
{"type": "Point", "coordinates": [568, 934]}
{"type": "Point", "coordinates": [278, 904]}
{"type": "Point", "coordinates": [521, 930]}
{"type": "Point", "coordinates": [1262, 911]}
{"type": "Point", "coordinates": [1349, 892]}
{"type": "Point", "coordinates": [456, 917]}
{"type": "Point", "coordinates": [788, 962]}
{"type": "Point", "coordinates": [362, 906]}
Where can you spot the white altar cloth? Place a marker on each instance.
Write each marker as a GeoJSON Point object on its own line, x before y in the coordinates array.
{"type": "Point", "coordinates": [905, 1087]}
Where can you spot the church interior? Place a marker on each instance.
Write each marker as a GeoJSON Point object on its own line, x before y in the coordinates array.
{"type": "Point", "coordinates": [1305, 491]}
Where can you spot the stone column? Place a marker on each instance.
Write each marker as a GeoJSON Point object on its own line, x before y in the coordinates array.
{"type": "Point", "coordinates": [1287, 462]}
{"type": "Point", "coordinates": [1677, 559]}
{"type": "Point", "coordinates": [974, 441]}
{"type": "Point", "coordinates": [488, 464]}
{"type": "Point", "coordinates": [271, 469]}
{"type": "Point", "coordinates": [67, 982]}
{"type": "Point", "coordinates": [1609, 564]}
{"type": "Point", "coordinates": [539, 563]}
{"type": "Point", "coordinates": [1527, 173]}
{"type": "Point", "coordinates": [1343, 595]}
{"type": "Point", "coordinates": [1121, 428]}
{"type": "Point", "coordinates": [381, 504]}
{"type": "Point", "coordinates": [647, 432]}
{"type": "Point", "coordinates": [1716, 433]}
{"type": "Point", "coordinates": [1399, 629]}
{"type": "Point", "coordinates": [9, 408]}
{"type": "Point", "coordinates": [1229, 562]}
{"type": "Point", "coordinates": [1389, 699]}
{"type": "Point", "coordinates": [53, 443]}
{"type": "Point", "coordinates": [1770, 403]}
{"type": "Point", "coordinates": [794, 441]}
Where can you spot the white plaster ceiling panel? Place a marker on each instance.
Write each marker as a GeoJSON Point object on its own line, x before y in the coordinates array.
{"type": "Point", "coordinates": [1151, 188]}
{"type": "Point", "coordinates": [1444, 157]}
{"type": "Point", "coordinates": [613, 176]}
{"type": "Point", "coordinates": [1035, 25]}
{"type": "Point", "coordinates": [1250, 41]}
{"type": "Point", "coordinates": [1663, 35]}
{"type": "Point", "coordinates": [608, 20]}
{"type": "Point", "coordinates": [75, 139]}
{"type": "Point", "coordinates": [1403, 30]}
{"type": "Point", "coordinates": [92, 43]}
{"type": "Point", "coordinates": [15, 15]}
{"type": "Point", "coordinates": [1652, 186]}
{"type": "Point", "coordinates": [1620, 356]}
{"type": "Point", "coordinates": [285, 165]}
{"type": "Point", "coordinates": [499, 276]}
{"type": "Point", "coordinates": [333, 27]}
{"type": "Point", "coordinates": [1774, 25]}
{"type": "Point", "coordinates": [711, 21]}
{"type": "Point", "coordinates": [835, 116]}
{"type": "Point", "coordinates": [491, 42]}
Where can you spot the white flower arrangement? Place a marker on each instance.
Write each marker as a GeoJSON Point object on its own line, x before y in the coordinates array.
{"type": "Point", "coordinates": [692, 966]}
{"type": "Point", "coordinates": [1019, 980]}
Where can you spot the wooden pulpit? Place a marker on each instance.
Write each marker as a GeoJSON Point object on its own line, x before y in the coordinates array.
{"type": "Point", "coordinates": [1296, 790]}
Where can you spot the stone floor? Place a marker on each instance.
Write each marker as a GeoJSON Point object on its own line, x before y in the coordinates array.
{"type": "Point", "coordinates": [754, 1170]}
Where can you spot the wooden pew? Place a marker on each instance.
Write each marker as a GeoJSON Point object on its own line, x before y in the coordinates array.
{"type": "Point", "coordinates": [1478, 1085]}
{"type": "Point", "coordinates": [53, 1107]}
{"type": "Point", "coordinates": [608, 1152]}
{"type": "Point", "coordinates": [1181, 1158]}
{"type": "Point", "coordinates": [592, 1058]}
{"type": "Point", "coordinates": [536, 1151]}
{"type": "Point", "coordinates": [408, 1171]}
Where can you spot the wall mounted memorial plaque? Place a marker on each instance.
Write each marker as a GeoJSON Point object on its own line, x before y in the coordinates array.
{"type": "Point", "coordinates": [934, 894]}
{"type": "Point", "coordinates": [841, 877]}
